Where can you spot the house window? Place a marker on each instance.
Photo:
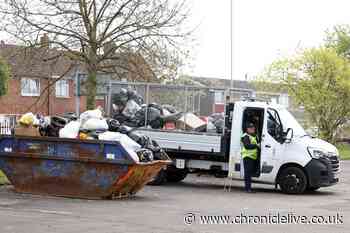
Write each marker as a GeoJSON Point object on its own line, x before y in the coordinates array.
{"type": "Point", "coordinates": [62, 88]}
{"type": "Point", "coordinates": [219, 97]}
{"type": "Point", "coordinates": [30, 87]}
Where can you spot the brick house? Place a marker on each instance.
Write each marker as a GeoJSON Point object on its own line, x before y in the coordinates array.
{"type": "Point", "coordinates": [32, 85]}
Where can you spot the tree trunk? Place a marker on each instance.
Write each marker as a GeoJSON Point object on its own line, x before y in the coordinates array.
{"type": "Point", "coordinates": [91, 89]}
{"type": "Point", "coordinates": [327, 134]}
{"type": "Point", "coordinates": [92, 76]}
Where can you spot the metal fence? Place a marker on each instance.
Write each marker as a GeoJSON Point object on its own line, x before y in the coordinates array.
{"type": "Point", "coordinates": [198, 100]}
{"type": "Point", "coordinates": [7, 124]}
{"type": "Point", "coordinates": [202, 101]}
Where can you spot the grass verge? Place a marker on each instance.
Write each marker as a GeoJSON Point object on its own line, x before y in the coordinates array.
{"type": "Point", "coordinates": [344, 151]}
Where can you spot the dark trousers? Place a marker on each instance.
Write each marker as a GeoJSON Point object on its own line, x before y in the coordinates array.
{"type": "Point", "coordinates": [249, 171]}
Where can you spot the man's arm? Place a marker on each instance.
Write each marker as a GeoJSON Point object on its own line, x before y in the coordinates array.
{"type": "Point", "coordinates": [247, 144]}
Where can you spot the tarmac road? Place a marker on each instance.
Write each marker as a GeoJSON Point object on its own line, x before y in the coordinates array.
{"type": "Point", "coordinates": [162, 209]}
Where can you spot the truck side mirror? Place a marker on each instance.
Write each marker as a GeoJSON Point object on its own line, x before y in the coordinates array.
{"type": "Point", "coordinates": [288, 135]}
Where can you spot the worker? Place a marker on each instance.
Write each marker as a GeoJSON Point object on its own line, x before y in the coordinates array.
{"type": "Point", "coordinates": [249, 152]}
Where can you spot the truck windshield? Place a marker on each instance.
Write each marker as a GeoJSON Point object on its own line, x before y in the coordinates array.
{"type": "Point", "coordinates": [288, 121]}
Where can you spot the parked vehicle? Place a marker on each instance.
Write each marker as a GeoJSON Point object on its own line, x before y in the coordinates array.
{"type": "Point", "coordinates": [289, 158]}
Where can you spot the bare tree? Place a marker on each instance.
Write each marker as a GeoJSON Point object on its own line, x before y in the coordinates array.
{"type": "Point", "coordinates": [95, 31]}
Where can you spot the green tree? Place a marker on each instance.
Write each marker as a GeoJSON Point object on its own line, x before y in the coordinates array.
{"type": "Point", "coordinates": [4, 77]}
{"type": "Point", "coordinates": [339, 39]}
{"type": "Point", "coordinates": [319, 80]}
{"type": "Point", "coordinates": [271, 77]}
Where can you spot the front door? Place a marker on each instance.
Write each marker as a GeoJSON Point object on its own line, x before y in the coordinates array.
{"type": "Point", "coordinates": [255, 116]}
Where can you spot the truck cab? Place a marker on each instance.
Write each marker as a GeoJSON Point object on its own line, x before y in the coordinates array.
{"type": "Point", "coordinates": [288, 158]}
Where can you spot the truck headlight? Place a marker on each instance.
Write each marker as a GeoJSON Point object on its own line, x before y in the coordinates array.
{"type": "Point", "coordinates": [316, 153]}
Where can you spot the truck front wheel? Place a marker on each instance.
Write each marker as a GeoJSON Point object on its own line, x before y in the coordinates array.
{"type": "Point", "coordinates": [292, 180]}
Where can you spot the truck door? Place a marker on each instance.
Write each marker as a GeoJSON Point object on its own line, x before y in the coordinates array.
{"type": "Point", "coordinates": [255, 116]}
{"type": "Point", "coordinates": [271, 145]}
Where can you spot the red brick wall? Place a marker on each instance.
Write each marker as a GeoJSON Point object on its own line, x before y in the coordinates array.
{"type": "Point", "coordinates": [60, 105]}
{"type": "Point", "coordinates": [14, 103]}
{"type": "Point", "coordinates": [218, 108]}
{"type": "Point", "coordinates": [100, 102]}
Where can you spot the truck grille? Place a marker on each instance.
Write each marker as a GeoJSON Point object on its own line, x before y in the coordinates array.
{"type": "Point", "coordinates": [334, 162]}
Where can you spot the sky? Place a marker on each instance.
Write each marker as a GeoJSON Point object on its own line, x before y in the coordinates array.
{"type": "Point", "coordinates": [262, 32]}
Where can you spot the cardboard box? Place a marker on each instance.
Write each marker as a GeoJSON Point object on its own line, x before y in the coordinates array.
{"type": "Point", "coordinates": [26, 131]}
{"type": "Point", "coordinates": [189, 121]}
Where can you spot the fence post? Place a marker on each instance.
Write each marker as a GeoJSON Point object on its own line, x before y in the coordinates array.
{"type": "Point", "coordinates": [193, 100]}
{"type": "Point", "coordinates": [109, 98]}
{"type": "Point", "coordinates": [226, 101]}
{"type": "Point", "coordinates": [147, 102]}
{"type": "Point", "coordinates": [186, 103]}
{"type": "Point", "coordinates": [77, 93]}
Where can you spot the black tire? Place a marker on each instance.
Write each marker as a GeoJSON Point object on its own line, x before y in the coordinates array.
{"type": "Point", "coordinates": [176, 175]}
{"type": "Point", "coordinates": [292, 180]}
{"type": "Point", "coordinates": [312, 189]}
{"type": "Point", "coordinates": [159, 179]}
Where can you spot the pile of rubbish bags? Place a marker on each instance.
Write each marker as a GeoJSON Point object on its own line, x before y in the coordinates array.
{"type": "Point", "coordinates": [129, 109]}
{"type": "Point", "coordinates": [216, 123]}
{"type": "Point", "coordinates": [92, 125]}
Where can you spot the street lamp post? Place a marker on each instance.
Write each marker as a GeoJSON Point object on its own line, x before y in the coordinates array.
{"type": "Point", "coordinates": [231, 52]}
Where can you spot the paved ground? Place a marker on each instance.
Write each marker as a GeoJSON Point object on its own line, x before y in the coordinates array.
{"type": "Point", "coordinates": [162, 209]}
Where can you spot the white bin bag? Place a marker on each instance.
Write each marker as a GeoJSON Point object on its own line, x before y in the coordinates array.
{"type": "Point", "coordinates": [95, 124]}
{"type": "Point", "coordinates": [70, 130]}
{"type": "Point", "coordinates": [131, 108]}
{"type": "Point", "coordinates": [129, 145]}
{"type": "Point", "coordinates": [96, 114]}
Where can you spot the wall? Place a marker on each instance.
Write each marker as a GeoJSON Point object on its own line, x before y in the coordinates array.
{"type": "Point", "coordinates": [59, 105]}
{"type": "Point", "coordinates": [14, 103]}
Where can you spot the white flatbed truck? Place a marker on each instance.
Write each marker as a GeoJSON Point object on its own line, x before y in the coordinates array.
{"type": "Point", "coordinates": [288, 158]}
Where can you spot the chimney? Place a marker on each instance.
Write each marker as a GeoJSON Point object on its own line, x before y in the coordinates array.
{"type": "Point", "coordinates": [45, 41]}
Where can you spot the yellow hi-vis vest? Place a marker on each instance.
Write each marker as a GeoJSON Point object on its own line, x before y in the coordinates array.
{"type": "Point", "coordinates": [250, 153]}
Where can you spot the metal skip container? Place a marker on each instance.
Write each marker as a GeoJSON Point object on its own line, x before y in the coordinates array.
{"type": "Point", "coordinates": [73, 168]}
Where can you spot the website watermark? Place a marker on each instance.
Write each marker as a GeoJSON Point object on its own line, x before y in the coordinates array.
{"type": "Point", "coordinates": [270, 218]}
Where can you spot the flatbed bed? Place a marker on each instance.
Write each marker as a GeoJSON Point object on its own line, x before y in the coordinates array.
{"type": "Point", "coordinates": [185, 141]}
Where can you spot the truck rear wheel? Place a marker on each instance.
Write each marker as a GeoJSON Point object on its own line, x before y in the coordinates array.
{"type": "Point", "coordinates": [159, 179]}
{"type": "Point", "coordinates": [292, 180]}
{"type": "Point", "coordinates": [176, 175]}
